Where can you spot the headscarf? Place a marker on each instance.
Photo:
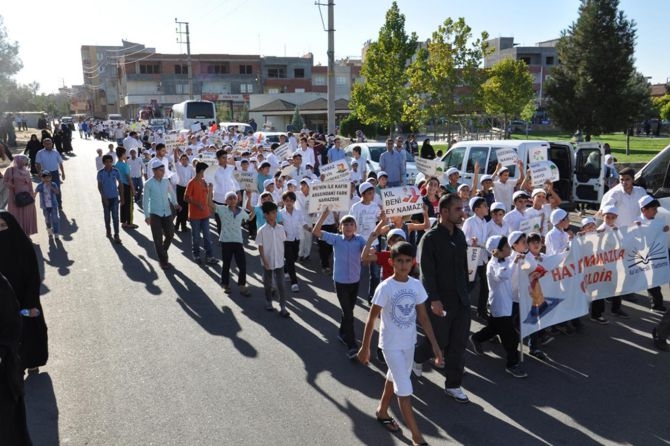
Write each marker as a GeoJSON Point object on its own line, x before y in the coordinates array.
{"type": "Point", "coordinates": [21, 162]}
{"type": "Point", "coordinates": [18, 260]}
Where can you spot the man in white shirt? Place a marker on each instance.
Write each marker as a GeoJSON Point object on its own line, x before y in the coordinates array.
{"type": "Point", "coordinates": [367, 214]}
{"type": "Point", "coordinates": [131, 141]}
{"type": "Point", "coordinates": [518, 214]}
{"type": "Point", "coordinates": [625, 197]}
{"type": "Point", "coordinates": [306, 151]}
{"type": "Point", "coordinates": [136, 166]}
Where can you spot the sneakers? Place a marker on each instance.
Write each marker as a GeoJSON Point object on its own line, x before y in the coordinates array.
{"type": "Point", "coordinates": [269, 307]}
{"type": "Point", "coordinates": [476, 346]}
{"type": "Point", "coordinates": [284, 313]}
{"type": "Point", "coordinates": [539, 354]}
{"type": "Point", "coordinates": [196, 258]}
{"type": "Point", "coordinates": [660, 344]}
{"type": "Point", "coordinates": [226, 289]}
{"type": "Point", "coordinates": [417, 369]}
{"type": "Point", "coordinates": [659, 309]}
{"type": "Point", "coordinates": [295, 288]}
{"type": "Point", "coordinates": [600, 320]}
{"type": "Point", "coordinates": [352, 353]}
{"type": "Point", "coordinates": [457, 394]}
{"type": "Point", "coordinates": [516, 371]}
{"type": "Point", "coordinates": [211, 260]}
{"type": "Point", "coordinates": [620, 313]}
{"type": "Point", "coordinates": [117, 239]}
{"type": "Point", "coordinates": [244, 291]}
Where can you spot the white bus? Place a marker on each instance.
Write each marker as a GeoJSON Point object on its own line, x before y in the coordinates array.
{"type": "Point", "coordinates": [189, 113]}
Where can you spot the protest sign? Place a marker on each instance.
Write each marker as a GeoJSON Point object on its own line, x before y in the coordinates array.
{"type": "Point", "coordinates": [208, 157]}
{"type": "Point", "coordinates": [507, 157]}
{"type": "Point", "coordinates": [532, 224]}
{"type": "Point", "coordinates": [334, 196]}
{"type": "Point", "coordinates": [536, 154]}
{"type": "Point", "coordinates": [542, 171]}
{"type": "Point", "coordinates": [247, 179]}
{"type": "Point", "coordinates": [405, 200]}
{"type": "Point", "coordinates": [282, 151]}
{"type": "Point", "coordinates": [430, 168]}
{"type": "Point", "coordinates": [335, 171]}
{"type": "Point", "coordinates": [473, 261]}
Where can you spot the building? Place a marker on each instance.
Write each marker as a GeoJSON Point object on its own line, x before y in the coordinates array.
{"type": "Point", "coordinates": [287, 74]}
{"type": "Point", "coordinates": [347, 73]}
{"type": "Point", "coordinates": [540, 59]}
{"type": "Point", "coordinates": [274, 112]}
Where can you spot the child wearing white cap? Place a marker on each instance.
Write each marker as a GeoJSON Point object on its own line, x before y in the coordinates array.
{"type": "Point", "coordinates": [648, 210]}
{"type": "Point", "coordinates": [497, 225]}
{"type": "Point", "coordinates": [558, 238]}
{"type": "Point", "coordinates": [503, 187]}
{"type": "Point", "coordinates": [476, 231]}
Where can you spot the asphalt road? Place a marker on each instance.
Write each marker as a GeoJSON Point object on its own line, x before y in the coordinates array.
{"type": "Point", "coordinates": [139, 356]}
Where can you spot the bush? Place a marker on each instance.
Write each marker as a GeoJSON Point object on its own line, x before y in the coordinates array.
{"type": "Point", "coordinates": [351, 123]}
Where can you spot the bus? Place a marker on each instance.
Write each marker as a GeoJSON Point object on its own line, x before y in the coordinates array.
{"type": "Point", "coordinates": [188, 114]}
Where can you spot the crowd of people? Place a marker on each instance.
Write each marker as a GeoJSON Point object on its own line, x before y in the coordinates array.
{"type": "Point", "coordinates": [416, 264]}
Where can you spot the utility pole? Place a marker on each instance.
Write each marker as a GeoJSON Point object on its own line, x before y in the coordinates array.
{"type": "Point", "coordinates": [188, 53]}
{"type": "Point", "coordinates": [331, 67]}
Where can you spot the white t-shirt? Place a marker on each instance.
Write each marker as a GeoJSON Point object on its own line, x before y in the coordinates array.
{"type": "Point", "coordinates": [556, 241]}
{"type": "Point", "coordinates": [545, 212]}
{"type": "Point", "coordinates": [98, 163]}
{"type": "Point", "coordinates": [514, 219]}
{"type": "Point", "coordinates": [504, 191]}
{"type": "Point", "coordinates": [272, 240]}
{"type": "Point", "coordinates": [293, 223]}
{"type": "Point", "coordinates": [398, 301]}
{"type": "Point", "coordinates": [367, 216]}
{"type": "Point", "coordinates": [493, 229]}
{"type": "Point", "coordinates": [627, 205]}
{"type": "Point", "coordinates": [136, 166]}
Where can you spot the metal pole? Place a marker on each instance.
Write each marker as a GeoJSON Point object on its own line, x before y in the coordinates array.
{"type": "Point", "coordinates": [190, 65]}
{"type": "Point", "coordinates": [331, 67]}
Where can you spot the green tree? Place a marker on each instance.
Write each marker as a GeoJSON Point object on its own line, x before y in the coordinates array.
{"type": "Point", "coordinates": [10, 64]}
{"type": "Point", "coordinates": [244, 113]}
{"type": "Point", "coordinates": [508, 89]}
{"type": "Point", "coordinates": [380, 99]}
{"type": "Point", "coordinates": [445, 77]}
{"type": "Point", "coordinates": [296, 121]}
{"type": "Point", "coordinates": [596, 80]}
{"type": "Point", "coordinates": [662, 105]}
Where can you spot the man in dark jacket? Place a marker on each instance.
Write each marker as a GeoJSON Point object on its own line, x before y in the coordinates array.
{"type": "Point", "coordinates": [444, 273]}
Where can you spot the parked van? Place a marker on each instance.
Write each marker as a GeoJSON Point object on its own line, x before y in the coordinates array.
{"type": "Point", "coordinates": [581, 168]}
{"type": "Point", "coordinates": [655, 177]}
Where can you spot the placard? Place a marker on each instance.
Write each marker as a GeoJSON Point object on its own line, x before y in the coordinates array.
{"type": "Point", "coordinates": [335, 171]}
{"type": "Point", "coordinates": [331, 196]}
{"type": "Point", "coordinates": [536, 154]}
{"type": "Point", "coordinates": [474, 252]}
{"type": "Point", "coordinates": [542, 171]}
{"type": "Point", "coordinates": [430, 168]}
{"type": "Point", "coordinates": [208, 157]}
{"type": "Point", "coordinates": [247, 179]}
{"type": "Point", "coordinates": [532, 224]}
{"type": "Point", "coordinates": [282, 151]}
{"type": "Point", "coordinates": [404, 200]}
{"type": "Point", "coordinates": [507, 157]}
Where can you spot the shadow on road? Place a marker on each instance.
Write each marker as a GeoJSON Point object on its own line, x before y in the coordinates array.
{"type": "Point", "coordinates": [58, 257]}
{"type": "Point", "coordinates": [67, 227]}
{"type": "Point", "coordinates": [138, 269]}
{"type": "Point", "coordinates": [41, 410]}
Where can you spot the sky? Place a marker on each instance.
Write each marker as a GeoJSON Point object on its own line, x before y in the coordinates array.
{"type": "Point", "coordinates": [50, 35]}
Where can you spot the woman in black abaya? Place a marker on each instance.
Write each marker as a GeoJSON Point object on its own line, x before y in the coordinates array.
{"type": "Point", "coordinates": [13, 426]}
{"type": "Point", "coordinates": [18, 263]}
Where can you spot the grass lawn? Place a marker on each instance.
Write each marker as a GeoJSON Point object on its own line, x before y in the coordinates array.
{"type": "Point", "coordinates": [642, 149]}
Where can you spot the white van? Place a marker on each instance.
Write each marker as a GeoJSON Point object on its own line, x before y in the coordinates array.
{"type": "Point", "coordinates": [655, 177]}
{"type": "Point", "coordinates": [579, 181]}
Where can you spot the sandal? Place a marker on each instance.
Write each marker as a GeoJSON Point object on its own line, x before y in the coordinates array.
{"type": "Point", "coordinates": [389, 423]}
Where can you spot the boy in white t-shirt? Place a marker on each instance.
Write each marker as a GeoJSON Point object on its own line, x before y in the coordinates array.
{"type": "Point", "coordinates": [400, 301]}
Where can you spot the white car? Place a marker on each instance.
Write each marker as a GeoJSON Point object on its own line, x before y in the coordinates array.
{"type": "Point", "coordinates": [268, 138]}
{"type": "Point", "coordinates": [371, 151]}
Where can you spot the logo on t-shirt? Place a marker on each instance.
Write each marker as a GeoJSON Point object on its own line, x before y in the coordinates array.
{"type": "Point", "coordinates": [403, 308]}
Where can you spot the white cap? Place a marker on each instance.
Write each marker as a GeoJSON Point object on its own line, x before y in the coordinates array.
{"type": "Point", "coordinates": [348, 217]}
{"type": "Point", "coordinates": [292, 183]}
{"type": "Point", "coordinates": [503, 169]}
{"type": "Point", "coordinates": [231, 194]}
{"type": "Point", "coordinates": [498, 206]}
{"type": "Point", "coordinates": [156, 163]}
{"type": "Point", "coordinates": [396, 232]}
{"type": "Point", "coordinates": [354, 162]}
{"type": "Point", "coordinates": [451, 171]}
{"type": "Point", "coordinates": [473, 202]}
{"type": "Point", "coordinates": [609, 210]}
{"type": "Point", "coordinates": [308, 165]}
{"type": "Point", "coordinates": [587, 221]}
{"type": "Point", "coordinates": [648, 200]}
{"type": "Point", "coordinates": [485, 178]}
{"type": "Point", "coordinates": [461, 186]}
{"type": "Point", "coordinates": [557, 215]}
{"type": "Point", "coordinates": [537, 192]}
{"type": "Point", "coordinates": [382, 174]}
{"type": "Point", "coordinates": [519, 194]}
{"type": "Point", "coordinates": [493, 242]}
{"type": "Point", "coordinates": [305, 180]}
{"type": "Point", "coordinates": [608, 158]}
{"type": "Point", "coordinates": [514, 236]}
{"type": "Point", "coordinates": [268, 182]}
{"type": "Point", "coordinates": [364, 187]}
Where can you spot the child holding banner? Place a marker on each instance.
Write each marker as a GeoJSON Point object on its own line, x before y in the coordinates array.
{"type": "Point", "coordinates": [499, 275]}
{"type": "Point", "coordinates": [475, 230]}
{"type": "Point", "coordinates": [610, 214]}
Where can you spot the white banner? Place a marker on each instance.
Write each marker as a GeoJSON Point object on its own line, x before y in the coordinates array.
{"type": "Point", "coordinates": [334, 196]}
{"type": "Point", "coordinates": [282, 151]}
{"type": "Point", "coordinates": [507, 157]}
{"type": "Point", "coordinates": [598, 265]}
{"type": "Point", "coordinates": [473, 261]}
{"type": "Point", "coordinates": [542, 171]}
{"type": "Point", "coordinates": [532, 224]}
{"type": "Point", "coordinates": [405, 200]}
{"type": "Point", "coordinates": [247, 179]}
{"type": "Point", "coordinates": [430, 168]}
{"type": "Point", "coordinates": [335, 171]}
{"type": "Point", "coordinates": [536, 154]}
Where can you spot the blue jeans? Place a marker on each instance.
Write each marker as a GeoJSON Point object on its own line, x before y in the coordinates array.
{"type": "Point", "coordinates": [138, 184]}
{"type": "Point", "coordinates": [197, 227]}
{"type": "Point", "coordinates": [52, 219]}
{"type": "Point", "coordinates": [111, 210]}
{"type": "Point", "coordinates": [55, 178]}
{"type": "Point", "coordinates": [374, 279]}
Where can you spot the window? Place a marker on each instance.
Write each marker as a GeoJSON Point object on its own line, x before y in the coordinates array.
{"type": "Point", "coordinates": [181, 69]}
{"type": "Point", "coordinates": [454, 158]}
{"type": "Point", "coordinates": [245, 69]}
{"type": "Point", "coordinates": [299, 73]}
{"type": "Point", "coordinates": [181, 88]}
{"type": "Point", "coordinates": [526, 59]}
{"type": "Point", "coordinates": [246, 88]}
{"type": "Point", "coordinates": [150, 68]}
{"type": "Point", "coordinates": [341, 80]}
{"type": "Point", "coordinates": [277, 72]}
{"type": "Point", "coordinates": [318, 79]}
{"type": "Point", "coordinates": [299, 90]}
{"type": "Point", "coordinates": [477, 155]}
{"type": "Point", "coordinates": [273, 90]}
{"type": "Point", "coordinates": [549, 60]}
{"type": "Point", "coordinates": [218, 68]}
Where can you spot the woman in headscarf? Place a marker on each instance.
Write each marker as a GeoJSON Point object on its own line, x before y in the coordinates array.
{"type": "Point", "coordinates": [17, 179]}
{"type": "Point", "coordinates": [427, 150]}
{"type": "Point", "coordinates": [13, 426]}
{"type": "Point", "coordinates": [33, 146]}
{"type": "Point", "coordinates": [22, 271]}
